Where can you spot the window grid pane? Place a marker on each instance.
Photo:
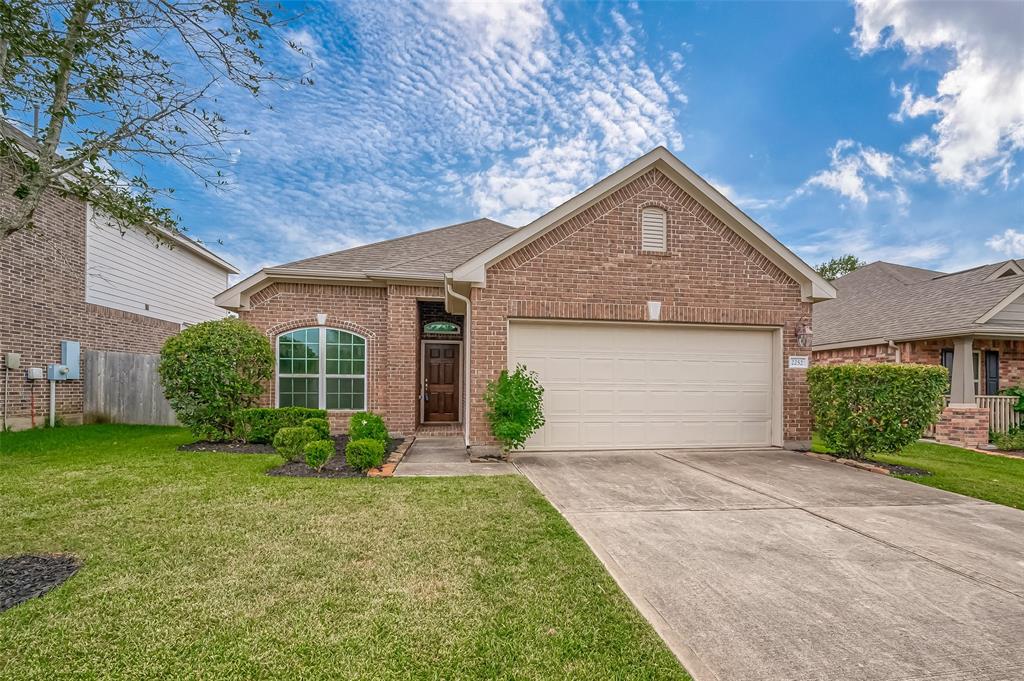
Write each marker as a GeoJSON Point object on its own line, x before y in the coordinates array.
{"type": "Point", "coordinates": [346, 393]}
{"type": "Point", "coordinates": [300, 352]}
{"type": "Point", "coordinates": [345, 354]}
{"type": "Point", "coordinates": [300, 392]}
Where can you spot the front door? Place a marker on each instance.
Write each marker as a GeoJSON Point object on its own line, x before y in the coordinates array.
{"type": "Point", "coordinates": [440, 382]}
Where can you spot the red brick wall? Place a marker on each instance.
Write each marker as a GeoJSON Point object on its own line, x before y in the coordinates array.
{"type": "Point", "coordinates": [591, 267]}
{"type": "Point", "coordinates": [867, 354]}
{"type": "Point", "coordinates": [42, 302]}
{"type": "Point", "coordinates": [386, 316]}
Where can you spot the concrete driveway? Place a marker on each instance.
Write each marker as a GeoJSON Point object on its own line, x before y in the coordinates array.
{"type": "Point", "coordinates": [774, 565]}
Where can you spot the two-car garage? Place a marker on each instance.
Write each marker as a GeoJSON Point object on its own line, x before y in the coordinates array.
{"type": "Point", "coordinates": [615, 386]}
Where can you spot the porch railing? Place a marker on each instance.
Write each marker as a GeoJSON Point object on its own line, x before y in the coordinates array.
{"type": "Point", "coordinates": [1001, 413]}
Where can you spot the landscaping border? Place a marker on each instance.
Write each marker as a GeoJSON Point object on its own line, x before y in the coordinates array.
{"type": "Point", "coordinates": [387, 469]}
{"type": "Point", "coordinates": [862, 465]}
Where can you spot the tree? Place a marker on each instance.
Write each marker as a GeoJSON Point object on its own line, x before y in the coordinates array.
{"type": "Point", "coordinates": [213, 370]}
{"type": "Point", "coordinates": [117, 82]}
{"type": "Point", "coordinates": [837, 267]}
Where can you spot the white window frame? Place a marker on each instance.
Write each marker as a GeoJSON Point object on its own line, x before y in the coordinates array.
{"type": "Point", "coordinates": [322, 374]}
{"type": "Point", "coordinates": [664, 230]}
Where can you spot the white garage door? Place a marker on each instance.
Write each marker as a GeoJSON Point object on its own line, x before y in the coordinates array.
{"type": "Point", "coordinates": [620, 386]}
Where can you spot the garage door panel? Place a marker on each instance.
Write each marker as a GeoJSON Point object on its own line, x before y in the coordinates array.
{"type": "Point", "coordinates": [627, 386]}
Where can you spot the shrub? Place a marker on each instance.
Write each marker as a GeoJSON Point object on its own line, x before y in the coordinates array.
{"type": "Point", "coordinates": [862, 408]}
{"type": "Point", "coordinates": [364, 454]}
{"type": "Point", "coordinates": [290, 442]}
{"type": "Point", "coordinates": [212, 370]}
{"type": "Point", "coordinates": [321, 426]}
{"type": "Point", "coordinates": [514, 407]}
{"type": "Point", "coordinates": [1017, 392]}
{"type": "Point", "coordinates": [365, 425]}
{"type": "Point", "coordinates": [261, 424]}
{"type": "Point", "coordinates": [318, 452]}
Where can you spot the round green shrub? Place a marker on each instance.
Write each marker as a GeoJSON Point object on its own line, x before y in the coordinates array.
{"type": "Point", "coordinates": [291, 442]}
{"type": "Point", "coordinates": [364, 454]}
{"type": "Point", "coordinates": [318, 452]}
{"type": "Point", "coordinates": [365, 425]}
{"type": "Point", "coordinates": [514, 407]}
{"type": "Point", "coordinates": [321, 426]}
{"type": "Point", "coordinates": [212, 370]}
{"type": "Point", "coordinates": [866, 408]}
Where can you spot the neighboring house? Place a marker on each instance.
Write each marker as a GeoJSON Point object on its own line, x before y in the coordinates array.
{"type": "Point", "coordinates": [971, 322]}
{"type": "Point", "coordinates": [77, 277]}
{"type": "Point", "coordinates": [655, 312]}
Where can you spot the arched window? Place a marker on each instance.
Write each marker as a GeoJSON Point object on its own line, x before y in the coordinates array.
{"type": "Point", "coordinates": [653, 228]}
{"type": "Point", "coordinates": [321, 368]}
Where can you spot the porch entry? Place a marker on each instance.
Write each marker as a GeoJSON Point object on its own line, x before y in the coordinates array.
{"type": "Point", "coordinates": [441, 374]}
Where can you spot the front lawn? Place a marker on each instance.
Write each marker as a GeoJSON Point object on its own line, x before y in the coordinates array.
{"type": "Point", "coordinates": [992, 478]}
{"type": "Point", "coordinates": [199, 565]}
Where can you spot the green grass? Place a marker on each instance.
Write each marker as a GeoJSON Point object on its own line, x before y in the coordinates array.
{"type": "Point", "coordinates": [198, 565]}
{"type": "Point", "coordinates": [993, 478]}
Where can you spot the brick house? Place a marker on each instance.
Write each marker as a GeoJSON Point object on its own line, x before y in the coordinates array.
{"type": "Point", "coordinates": [77, 276]}
{"type": "Point", "coordinates": [653, 310]}
{"type": "Point", "coordinates": [971, 322]}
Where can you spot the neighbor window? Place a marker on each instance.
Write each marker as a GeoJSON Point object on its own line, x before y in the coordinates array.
{"type": "Point", "coordinates": [653, 223]}
{"type": "Point", "coordinates": [321, 368]}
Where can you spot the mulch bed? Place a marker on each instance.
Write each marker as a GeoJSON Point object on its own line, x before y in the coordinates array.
{"type": "Point", "coordinates": [26, 577]}
{"type": "Point", "coordinates": [897, 469]}
{"type": "Point", "coordinates": [336, 467]}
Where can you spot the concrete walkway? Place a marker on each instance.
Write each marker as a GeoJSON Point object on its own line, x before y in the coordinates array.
{"type": "Point", "coordinates": [446, 456]}
{"type": "Point", "coordinates": [773, 565]}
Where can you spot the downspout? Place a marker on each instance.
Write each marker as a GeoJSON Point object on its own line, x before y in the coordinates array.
{"type": "Point", "coordinates": [466, 379]}
{"type": "Point", "coordinates": [899, 353]}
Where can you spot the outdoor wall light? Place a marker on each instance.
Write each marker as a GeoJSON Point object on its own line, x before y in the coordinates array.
{"type": "Point", "coordinates": [804, 334]}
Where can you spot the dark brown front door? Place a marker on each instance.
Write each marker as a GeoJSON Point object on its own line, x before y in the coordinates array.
{"type": "Point", "coordinates": [440, 382]}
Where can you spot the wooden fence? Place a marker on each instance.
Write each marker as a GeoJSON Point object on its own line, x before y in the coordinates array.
{"type": "Point", "coordinates": [1001, 414]}
{"type": "Point", "coordinates": [124, 387]}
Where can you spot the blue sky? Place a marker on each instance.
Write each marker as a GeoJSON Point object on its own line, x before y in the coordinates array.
{"type": "Point", "coordinates": [893, 131]}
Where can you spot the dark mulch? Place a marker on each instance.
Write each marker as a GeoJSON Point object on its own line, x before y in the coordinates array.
{"type": "Point", "coordinates": [900, 470]}
{"type": "Point", "coordinates": [336, 467]}
{"type": "Point", "coordinates": [228, 447]}
{"type": "Point", "coordinates": [25, 577]}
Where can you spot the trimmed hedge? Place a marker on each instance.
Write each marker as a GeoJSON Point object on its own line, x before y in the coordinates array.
{"type": "Point", "coordinates": [318, 452]}
{"type": "Point", "coordinates": [212, 370]}
{"type": "Point", "coordinates": [365, 425]}
{"type": "Point", "coordinates": [291, 442]}
{"type": "Point", "coordinates": [321, 426]}
{"type": "Point", "coordinates": [261, 424]}
{"type": "Point", "coordinates": [867, 408]}
{"type": "Point", "coordinates": [364, 454]}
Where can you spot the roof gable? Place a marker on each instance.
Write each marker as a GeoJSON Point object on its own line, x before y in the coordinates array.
{"type": "Point", "coordinates": [813, 287]}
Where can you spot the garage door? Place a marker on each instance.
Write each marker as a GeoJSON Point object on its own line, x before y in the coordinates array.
{"type": "Point", "coordinates": [609, 386]}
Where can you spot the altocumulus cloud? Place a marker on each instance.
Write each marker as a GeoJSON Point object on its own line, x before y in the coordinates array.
{"type": "Point", "coordinates": [442, 111]}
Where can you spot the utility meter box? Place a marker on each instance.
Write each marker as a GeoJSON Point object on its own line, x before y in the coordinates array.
{"type": "Point", "coordinates": [70, 354]}
{"type": "Point", "coordinates": [56, 372]}
{"type": "Point", "coordinates": [12, 360]}
{"type": "Point", "coordinates": [34, 373]}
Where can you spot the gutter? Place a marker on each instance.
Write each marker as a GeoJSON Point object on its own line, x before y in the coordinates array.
{"type": "Point", "coordinates": [466, 351]}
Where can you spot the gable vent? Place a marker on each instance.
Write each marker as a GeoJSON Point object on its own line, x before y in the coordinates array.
{"type": "Point", "coordinates": [652, 229]}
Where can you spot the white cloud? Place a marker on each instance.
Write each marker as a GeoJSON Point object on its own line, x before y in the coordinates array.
{"type": "Point", "coordinates": [516, 22]}
{"type": "Point", "coordinates": [855, 172]}
{"type": "Point", "coordinates": [979, 100]}
{"type": "Point", "coordinates": [1010, 243]}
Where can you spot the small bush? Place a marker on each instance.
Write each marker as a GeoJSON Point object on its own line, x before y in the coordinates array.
{"type": "Point", "coordinates": [863, 408]}
{"type": "Point", "coordinates": [291, 442]}
{"type": "Point", "coordinates": [514, 407]}
{"type": "Point", "coordinates": [212, 370]}
{"type": "Point", "coordinates": [1009, 442]}
{"type": "Point", "coordinates": [321, 426]}
{"type": "Point", "coordinates": [1018, 392]}
{"type": "Point", "coordinates": [261, 424]}
{"type": "Point", "coordinates": [365, 425]}
{"type": "Point", "coordinates": [318, 452]}
{"type": "Point", "coordinates": [364, 454]}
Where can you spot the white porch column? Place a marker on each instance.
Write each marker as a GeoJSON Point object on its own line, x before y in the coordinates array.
{"type": "Point", "coordinates": [961, 393]}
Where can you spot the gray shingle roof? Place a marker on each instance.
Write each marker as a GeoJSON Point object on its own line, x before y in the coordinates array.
{"type": "Point", "coordinates": [433, 252]}
{"type": "Point", "coordinates": [894, 302]}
